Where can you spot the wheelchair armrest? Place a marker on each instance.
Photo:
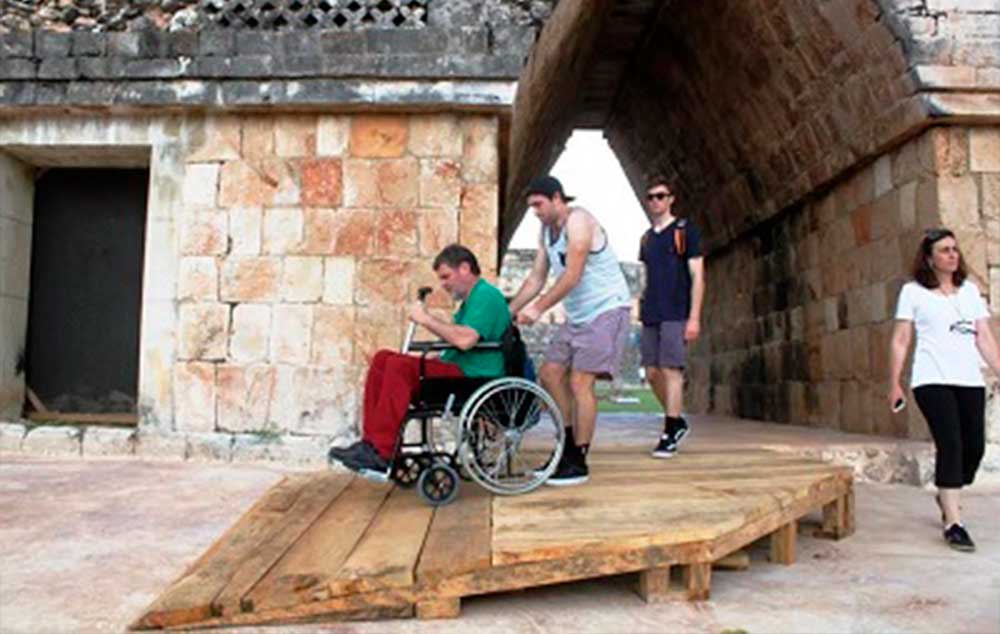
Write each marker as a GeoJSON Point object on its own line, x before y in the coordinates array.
{"type": "Point", "coordinates": [436, 346]}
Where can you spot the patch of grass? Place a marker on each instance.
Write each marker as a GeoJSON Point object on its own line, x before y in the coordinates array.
{"type": "Point", "coordinates": [647, 401]}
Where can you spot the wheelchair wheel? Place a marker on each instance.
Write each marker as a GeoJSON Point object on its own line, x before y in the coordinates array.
{"type": "Point", "coordinates": [407, 469]}
{"type": "Point", "coordinates": [512, 436]}
{"type": "Point", "coordinates": [438, 484]}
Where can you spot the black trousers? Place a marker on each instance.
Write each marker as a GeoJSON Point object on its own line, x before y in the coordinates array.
{"type": "Point", "coordinates": [955, 415]}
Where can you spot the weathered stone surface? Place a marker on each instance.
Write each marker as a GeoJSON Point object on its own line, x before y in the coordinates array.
{"type": "Point", "coordinates": [209, 447]}
{"type": "Point", "coordinates": [480, 155]}
{"type": "Point", "coordinates": [322, 182]}
{"type": "Point", "coordinates": [244, 395]}
{"type": "Point", "coordinates": [302, 279]}
{"type": "Point", "coordinates": [251, 279]}
{"type": "Point", "coordinates": [290, 333]}
{"type": "Point", "coordinates": [194, 397]}
{"type": "Point", "coordinates": [333, 336]}
{"type": "Point", "coordinates": [260, 182]}
{"type": "Point", "coordinates": [52, 441]}
{"type": "Point", "coordinates": [203, 233]}
{"type": "Point", "coordinates": [295, 136]}
{"type": "Point", "coordinates": [283, 230]}
{"type": "Point", "coordinates": [396, 233]}
{"type": "Point", "coordinates": [984, 149]}
{"type": "Point", "coordinates": [440, 183]}
{"type": "Point", "coordinates": [203, 331]}
{"type": "Point", "coordinates": [382, 282]}
{"type": "Point", "coordinates": [245, 230]}
{"type": "Point", "coordinates": [198, 279]}
{"type": "Point", "coordinates": [436, 229]}
{"type": "Point", "coordinates": [338, 280]}
{"type": "Point", "coordinates": [221, 140]}
{"type": "Point", "coordinates": [250, 339]}
{"type": "Point", "coordinates": [11, 435]}
{"type": "Point", "coordinates": [435, 136]}
{"type": "Point", "coordinates": [151, 444]}
{"type": "Point", "coordinates": [378, 136]}
{"type": "Point", "coordinates": [108, 442]}
{"type": "Point", "coordinates": [332, 134]}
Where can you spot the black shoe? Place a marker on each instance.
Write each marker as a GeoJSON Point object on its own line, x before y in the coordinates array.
{"type": "Point", "coordinates": [569, 473]}
{"type": "Point", "coordinates": [672, 436]}
{"type": "Point", "coordinates": [958, 538]}
{"type": "Point", "coordinates": [361, 456]}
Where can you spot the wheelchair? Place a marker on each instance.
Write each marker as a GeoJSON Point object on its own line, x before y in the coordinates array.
{"type": "Point", "coordinates": [505, 434]}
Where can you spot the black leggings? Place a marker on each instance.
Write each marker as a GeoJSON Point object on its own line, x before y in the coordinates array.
{"type": "Point", "coordinates": [955, 416]}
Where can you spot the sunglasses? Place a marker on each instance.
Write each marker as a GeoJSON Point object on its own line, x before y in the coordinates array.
{"type": "Point", "coordinates": [657, 196]}
{"type": "Point", "coordinates": [936, 234]}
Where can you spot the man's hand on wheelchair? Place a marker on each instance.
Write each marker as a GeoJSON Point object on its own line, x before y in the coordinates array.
{"type": "Point", "coordinates": [419, 314]}
{"type": "Point", "coordinates": [528, 315]}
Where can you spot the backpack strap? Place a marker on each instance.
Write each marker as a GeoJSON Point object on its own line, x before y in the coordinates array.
{"type": "Point", "coordinates": [680, 237]}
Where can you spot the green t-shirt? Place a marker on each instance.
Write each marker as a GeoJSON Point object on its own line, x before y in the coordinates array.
{"type": "Point", "coordinates": [485, 311]}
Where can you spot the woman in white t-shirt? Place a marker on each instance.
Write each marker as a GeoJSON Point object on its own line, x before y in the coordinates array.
{"type": "Point", "coordinates": [952, 325]}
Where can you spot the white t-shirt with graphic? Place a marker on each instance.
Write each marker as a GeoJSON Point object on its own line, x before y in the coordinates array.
{"type": "Point", "coordinates": [946, 352]}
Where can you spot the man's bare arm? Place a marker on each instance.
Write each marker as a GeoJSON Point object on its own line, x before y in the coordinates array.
{"type": "Point", "coordinates": [535, 281]}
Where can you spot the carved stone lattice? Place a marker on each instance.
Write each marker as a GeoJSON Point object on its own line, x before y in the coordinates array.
{"type": "Point", "coordinates": [315, 14]}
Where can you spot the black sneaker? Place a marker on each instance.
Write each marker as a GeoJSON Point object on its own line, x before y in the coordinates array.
{"type": "Point", "coordinates": [361, 456]}
{"type": "Point", "coordinates": [666, 448]}
{"type": "Point", "coordinates": [568, 474]}
{"type": "Point", "coordinates": [958, 538]}
{"type": "Point", "coordinates": [671, 437]}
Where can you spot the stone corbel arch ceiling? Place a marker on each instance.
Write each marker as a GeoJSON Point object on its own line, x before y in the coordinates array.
{"type": "Point", "coordinates": [752, 105]}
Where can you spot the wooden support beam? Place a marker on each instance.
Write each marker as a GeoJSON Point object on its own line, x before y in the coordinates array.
{"type": "Point", "coordinates": [783, 543]}
{"type": "Point", "coordinates": [444, 608]}
{"type": "Point", "coordinates": [740, 560]}
{"type": "Point", "coordinates": [127, 420]}
{"type": "Point", "coordinates": [838, 517]}
{"type": "Point", "coordinates": [698, 581]}
{"type": "Point", "coordinates": [654, 585]}
{"type": "Point", "coordinates": [35, 401]}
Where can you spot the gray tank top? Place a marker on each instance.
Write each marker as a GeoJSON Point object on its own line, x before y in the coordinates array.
{"type": "Point", "coordinates": [602, 286]}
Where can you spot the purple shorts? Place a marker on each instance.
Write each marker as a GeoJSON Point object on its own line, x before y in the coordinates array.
{"type": "Point", "coordinates": [595, 347]}
{"type": "Point", "coordinates": [663, 345]}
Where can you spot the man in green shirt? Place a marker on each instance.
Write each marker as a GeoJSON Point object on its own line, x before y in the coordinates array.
{"type": "Point", "coordinates": [394, 378]}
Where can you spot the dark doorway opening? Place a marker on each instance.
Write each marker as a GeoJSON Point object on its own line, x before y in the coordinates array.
{"type": "Point", "coordinates": [86, 294]}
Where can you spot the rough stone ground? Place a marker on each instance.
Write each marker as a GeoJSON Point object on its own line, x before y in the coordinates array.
{"type": "Point", "coordinates": [86, 545]}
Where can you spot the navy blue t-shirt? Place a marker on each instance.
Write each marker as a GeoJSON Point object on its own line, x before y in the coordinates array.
{"type": "Point", "coordinates": [667, 296]}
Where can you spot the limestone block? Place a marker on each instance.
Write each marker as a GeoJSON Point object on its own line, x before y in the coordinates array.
{"type": "Point", "coordinates": [283, 230]}
{"type": "Point", "coordinates": [333, 336]}
{"type": "Point", "coordinates": [907, 206]}
{"type": "Point", "coordinates": [396, 233]}
{"type": "Point", "coordinates": [108, 442]}
{"type": "Point", "coordinates": [203, 331]}
{"type": "Point", "coordinates": [11, 435]}
{"type": "Point", "coordinates": [338, 280]}
{"type": "Point", "coordinates": [259, 182]}
{"type": "Point", "coordinates": [360, 183]}
{"type": "Point", "coordinates": [302, 279]}
{"type": "Point", "coordinates": [244, 396]}
{"type": "Point", "coordinates": [156, 445]}
{"type": "Point", "coordinates": [201, 183]}
{"type": "Point", "coordinates": [329, 400]}
{"type": "Point", "coordinates": [440, 183]}
{"type": "Point", "coordinates": [435, 136]}
{"type": "Point", "coordinates": [250, 279]}
{"type": "Point", "coordinates": [203, 233]}
{"type": "Point", "coordinates": [945, 151]}
{"type": "Point", "coordinates": [991, 196]}
{"type": "Point", "coordinates": [251, 331]}
{"type": "Point", "coordinates": [245, 230]}
{"type": "Point", "coordinates": [984, 149]}
{"type": "Point", "coordinates": [295, 135]}
{"type": "Point", "coordinates": [375, 328]}
{"type": "Point", "coordinates": [382, 282]}
{"type": "Point", "coordinates": [208, 448]}
{"type": "Point", "coordinates": [397, 182]}
{"type": "Point", "coordinates": [198, 279]}
{"type": "Point", "coordinates": [258, 136]}
{"type": "Point", "coordinates": [436, 229]}
{"type": "Point", "coordinates": [883, 175]}
{"type": "Point", "coordinates": [958, 200]}
{"type": "Point", "coordinates": [221, 140]}
{"type": "Point", "coordinates": [322, 182]}
{"type": "Point", "coordinates": [290, 333]}
{"type": "Point", "coordinates": [378, 136]}
{"type": "Point", "coordinates": [194, 396]}
{"type": "Point", "coordinates": [332, 133]}
{"type": "Point", "coordinates": [52, 441]}
{"type": "Point", "coordinates": [480, 154]}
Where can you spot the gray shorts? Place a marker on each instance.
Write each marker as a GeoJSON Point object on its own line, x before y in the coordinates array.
{"type": "Point", "coordinates": [663, 345]}
{"type": "Point", "coordinates": [595, 347]}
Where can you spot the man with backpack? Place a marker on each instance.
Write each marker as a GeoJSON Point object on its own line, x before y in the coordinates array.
{"type": "Point", "coordinates": [670, 310]}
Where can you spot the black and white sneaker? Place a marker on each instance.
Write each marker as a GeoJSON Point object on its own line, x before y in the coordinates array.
{"type": "Point", "coordinates": [958, 538]}
{"type": "Point", "coordinates": [671, 438]}
{"type": "Point", "coordinates": [568, 474]}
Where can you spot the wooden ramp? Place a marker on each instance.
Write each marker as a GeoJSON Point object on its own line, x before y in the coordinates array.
{"type": "Point", "coordinates": [328, 546]}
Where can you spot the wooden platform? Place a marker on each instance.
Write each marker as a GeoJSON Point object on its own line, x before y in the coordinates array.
{"type": "Point", "coordinates": [328, 546]}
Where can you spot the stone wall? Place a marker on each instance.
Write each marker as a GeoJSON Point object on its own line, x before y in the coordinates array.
{"type": "Point", "coordinates": [16, 192]}
{"type": "Point", "coordinates": [799, 311]}
{"type": "Point", "coordinates": [281, 250]}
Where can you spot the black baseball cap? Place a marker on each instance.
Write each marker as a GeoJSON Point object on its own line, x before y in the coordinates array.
{"type": "Point", "coordinates": [547, 186]}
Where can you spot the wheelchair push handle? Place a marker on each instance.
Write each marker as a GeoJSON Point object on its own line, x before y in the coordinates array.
{"type": "Point", "coordinates": [422, 294]}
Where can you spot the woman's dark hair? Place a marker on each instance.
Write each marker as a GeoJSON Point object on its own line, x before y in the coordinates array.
{"type": "Point", "coordinates": [453, 255]}
{"type": "Point", "coordinates": [922, 270]}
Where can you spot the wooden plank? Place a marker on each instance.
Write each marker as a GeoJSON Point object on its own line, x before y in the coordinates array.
{"type": "Point", "coordinates": [654, 585]}
{"type": "Point", "coordinates": [446, 608]}
{"type": "Point", "coordinates": [459, 539]}
{"type": "Point", "coordinates": [129, 420]}
{"type": "Point", "coordinates": [386, 557]}
{"type": "Point", "coordinates": [783, 543]}
{"type": "Point", "coordinates": [321, 552]}
{"type": "Point", "coordinates": [35, 401]}
{"type": "Point", "coordinates": [316, 496]}
{"type": "Point", "coordinates": [190, 598]}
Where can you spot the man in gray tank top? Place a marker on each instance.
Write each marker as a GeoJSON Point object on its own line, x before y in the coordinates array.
{"type": "Point", "coordinates": [591, 286]}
